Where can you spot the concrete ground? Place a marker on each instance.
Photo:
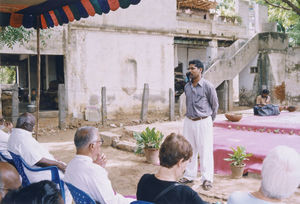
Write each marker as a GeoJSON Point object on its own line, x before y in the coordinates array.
{"type": "Point", "coordinates": [125, 168]}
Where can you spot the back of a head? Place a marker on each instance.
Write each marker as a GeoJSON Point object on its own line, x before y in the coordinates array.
{"type": "Point", "coordinates": [174, 148]}
{"type": "Point", "coordinates": [26, 121]}
{"type": "Point", "coordinates": [280, 172]}
{"type": "Point", "coordinates": [84, 136]}
{"type": "Point", "coordinates": [9, 178]}
{"type": "Point", "coordinates": [43, 192]}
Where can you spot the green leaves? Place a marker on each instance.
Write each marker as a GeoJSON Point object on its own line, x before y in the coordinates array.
{"type": "Point", "coordinates": [239, 155]}
{"type": "Point", "coordinates": [148, 139]}
{"type": "Point", "coordinates": [7, 74]}
{"type": "Point", "coordinates": [10, 36]}
{"type": "Point", "coordinates": [287, 16]}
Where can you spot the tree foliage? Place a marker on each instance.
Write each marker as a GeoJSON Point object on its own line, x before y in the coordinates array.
{"type": "Point", "coordinates": [7, 74]}
{"type": "Point", "coordinates": [9, 36]}
{"type": "Point", "coordinates": [287, 15]}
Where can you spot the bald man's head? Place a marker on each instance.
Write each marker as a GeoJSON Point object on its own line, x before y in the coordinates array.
{"type": "Point", "coordinates": [9, 178]}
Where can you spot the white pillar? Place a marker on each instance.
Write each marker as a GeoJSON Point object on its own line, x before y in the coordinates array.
{"type": "Point", "coordinates": [242, 10]}
{"type": "Point", "coordinates": [175, 56]}
{"type": "Point", "coordinates": [211, 52]}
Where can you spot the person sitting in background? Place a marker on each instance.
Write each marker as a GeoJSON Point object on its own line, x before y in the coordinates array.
{"type": "Point", "coordinates": [174, 154]}
{"type": "Point", "coordinates": [35, 155]}
{"type": "Point", "coordinates": [9, 179]}
{"type": "Point", "coordinates": [264, 98]}
{"type": "Point", "coordinates": [280, 178]}
{"type": "Point", "coordinates": [43, 192]}
{"type": "Point", "coordinates": [86, 170]}
{"type": "Point", "coordinates": [263, 105]}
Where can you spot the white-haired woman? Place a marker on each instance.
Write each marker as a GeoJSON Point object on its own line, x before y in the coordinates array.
{"type": "Point", "coordinates": [280, 178]}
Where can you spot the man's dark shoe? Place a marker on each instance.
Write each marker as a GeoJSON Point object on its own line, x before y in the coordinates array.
{"type": "Point", "coordinates": [185, 181]}
{"type": "Point", "coordinates": [207, 185]}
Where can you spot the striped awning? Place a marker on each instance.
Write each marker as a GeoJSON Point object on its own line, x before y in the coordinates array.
{"type": "Point", "coordinates": [54, 12]}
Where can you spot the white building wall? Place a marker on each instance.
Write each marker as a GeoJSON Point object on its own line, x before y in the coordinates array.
{"type": "Point", "coordinates": [150, 15]}
{"type": "Point", "coordinates": [121, 51]}
{"type": "Point", "coordinates": [246, 79]}
{"type": "Point", "coordinates": [286, 68]}
{"type": "Point", "coordinates": [185, 54]}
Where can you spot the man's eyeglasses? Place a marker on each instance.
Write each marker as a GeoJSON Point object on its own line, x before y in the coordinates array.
{"type": "Point", "coordinates": [99, 141]}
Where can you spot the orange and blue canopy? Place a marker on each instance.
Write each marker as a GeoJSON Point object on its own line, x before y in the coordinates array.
{"type": "Point", "coordinates": [52, 13]}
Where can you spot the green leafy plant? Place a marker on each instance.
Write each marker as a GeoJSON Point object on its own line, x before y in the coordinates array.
{"type": "Point", "coordinates": [10, 36]}
{"type": "Point", "coordinates": [239, 155]}
{"type": "Point", "coordinates": [148, 139]}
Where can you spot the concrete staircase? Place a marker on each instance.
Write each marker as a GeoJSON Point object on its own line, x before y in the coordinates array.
{"type": "Point", "coordinates": [238, 57]}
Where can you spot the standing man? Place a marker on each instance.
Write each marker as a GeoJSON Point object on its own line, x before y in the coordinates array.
{"type": "Point", "coordinates": [201, 110]}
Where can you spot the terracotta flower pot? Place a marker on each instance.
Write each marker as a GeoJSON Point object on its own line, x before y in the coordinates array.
{"type": "Point", "coordinates": [291, 108]}
{"type": "Point", "coordinates": [152, 155]}
{"type": "Point", "coordinates": [237, 171]}
{"type": "Point", "coordinates": [233, 117]}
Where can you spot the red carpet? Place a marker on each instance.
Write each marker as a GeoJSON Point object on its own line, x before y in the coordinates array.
{"type": "Point", "coordinates": [285, 123]}
{"type": "Point", "coordinates": [257, 143]}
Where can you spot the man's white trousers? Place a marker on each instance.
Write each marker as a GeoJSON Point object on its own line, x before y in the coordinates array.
{"type": "Point", "coordinates": [200, 134]}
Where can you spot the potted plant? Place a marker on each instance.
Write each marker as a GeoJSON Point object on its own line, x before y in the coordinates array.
{"type": "Point", "coordinates": [149, 141]}
{"type": "Point", "coordinates": [237, 161]}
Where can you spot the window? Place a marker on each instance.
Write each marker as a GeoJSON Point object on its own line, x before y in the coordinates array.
{"type": "Point", "coordinates": [253, 70]}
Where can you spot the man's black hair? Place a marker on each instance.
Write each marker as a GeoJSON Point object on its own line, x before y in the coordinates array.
{"type": "Point", "coordinates": [43, 192]}
{"type": "Point", "coordinates": [197, 64]}
{"type": "Point", "coordinates": [265, 91]}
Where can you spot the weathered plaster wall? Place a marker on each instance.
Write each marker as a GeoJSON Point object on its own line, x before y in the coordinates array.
{"type": "Point", "coordinates": [121, 51]}
{"type": "Point", "coordinates": [185, 54]}
{"type": "Point", "coordinates": [292, 76]}
{"type": "Point", "coordinates": [147, 15]}
{"type": "Point", "coordinates": [279, 66]}
{"type": "Point", "coordinates": [248, 83]}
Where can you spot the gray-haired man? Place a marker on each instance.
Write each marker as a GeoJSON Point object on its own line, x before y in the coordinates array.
{"type": "Point", "coordinates": [86, 170]}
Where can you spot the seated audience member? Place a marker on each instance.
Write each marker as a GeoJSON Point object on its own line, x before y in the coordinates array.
{"type": "Point", "coordinates": [4, 137]}
{"type": "Point", "coordinates": [35, 155]}
{"type": "Point", "coordinates": [9, 179]}
{"type": "Point", "coordinates": [43, 192]}
{"type": "Point", "coordinates": [174, 155]}
{"type": "Point", "coordinates": [86, 170]}
{"type": "Point", "coordinates": [263, 106]}
{"type": "Point", "coordinates": [280, 178]}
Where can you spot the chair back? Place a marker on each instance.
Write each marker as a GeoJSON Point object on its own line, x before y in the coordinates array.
{"type": "Point", "coordinates": [3, 158]}
{"type": "Point", "coordinates": [140, 202]}
{"type": "Point", "coordinates": [79, 196]}
{"type": "Point", "coordinates": [19, 166]}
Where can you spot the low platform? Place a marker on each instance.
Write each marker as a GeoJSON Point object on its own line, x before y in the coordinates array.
{"type": "Point", "coordinates": [285, 123]}
{"type": "Point", "coordinates": [258, 135]}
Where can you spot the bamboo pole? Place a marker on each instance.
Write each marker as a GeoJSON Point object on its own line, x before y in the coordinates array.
{"type": "Point", "coordinates": [38, 76]}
